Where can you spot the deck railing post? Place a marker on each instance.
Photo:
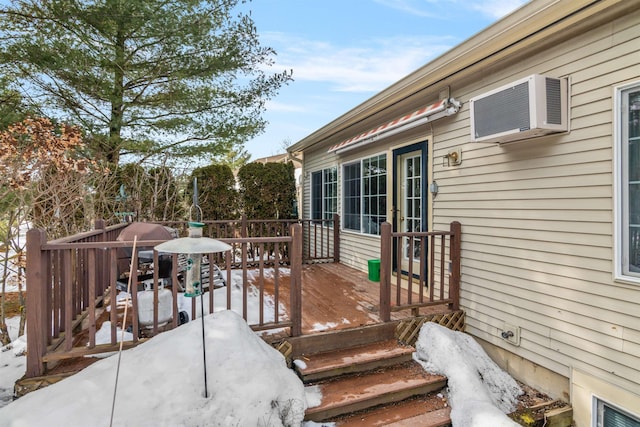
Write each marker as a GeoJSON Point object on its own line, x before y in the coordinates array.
{"type": "Point", "coordinates": [336, 238]}
{"type": "Point", "coordinates": [101, 260]}
{"type": "Point", "coordinates": [37, 335]}
{"type": "Point", "coordinates": [243, 226]}
{"type": "Point", "coordinates": [296, 280]}
{"type": "Point", "coordinates": [386, 241]}
{"type": "Point", "coordinates": [454, 258]}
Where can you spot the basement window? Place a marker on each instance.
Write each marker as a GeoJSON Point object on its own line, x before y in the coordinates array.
{"type": "Point", "coordinates": [608, 415]}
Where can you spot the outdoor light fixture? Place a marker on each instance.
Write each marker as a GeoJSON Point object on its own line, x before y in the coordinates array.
{"type": "Point", "coordinates": [433, 188]}
{"type": "Point", "coordinates": [194, 246]}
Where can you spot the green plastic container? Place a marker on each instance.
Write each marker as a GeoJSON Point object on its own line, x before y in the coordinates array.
{"type": "Point", "coordinates": [374, 270]}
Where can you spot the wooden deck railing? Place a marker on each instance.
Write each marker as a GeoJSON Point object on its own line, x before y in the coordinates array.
{"type": "Point", "coordinates": [70, 280]}
{"type": "Point", "coordinates": [430, 277]}
{"type": "Point", "coordinates": [321, 237]}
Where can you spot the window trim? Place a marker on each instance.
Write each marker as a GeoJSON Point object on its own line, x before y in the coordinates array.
{"type": "Point", "coordinates": [361, 196]}
{"type": "Point", "coordinates": [620, 253]}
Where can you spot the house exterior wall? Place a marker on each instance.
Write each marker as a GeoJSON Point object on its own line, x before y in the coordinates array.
{"type": "Point", "coordinates": [538, 216]}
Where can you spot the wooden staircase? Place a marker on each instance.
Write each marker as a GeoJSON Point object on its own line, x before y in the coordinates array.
{"type": "Point", "coordinates": [368, 378]}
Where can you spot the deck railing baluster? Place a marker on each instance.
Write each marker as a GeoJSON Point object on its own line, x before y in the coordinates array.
{"type": "Point", "coordinates": [411, 254]}
{"type": "Point", "coordinates": [55, 297]}
{"type": "Point", "coordinates": [442, 268]}
{"type": "Point", "coordinates": [228, 257]}
{"type": "Point", "coordinates": [296, 280]}
{"type": "Point", "coordinates": [261, 282]}
{"type": "Point", "coordinates": [244, 281]}
{"type": "Point", "coordinates": [400, 252]}
{"type": "Point", "coordinates": [276, 282]}
{"type": "Point", "coordinates": [432, 267]}
{"type": "Point", "coordinates": [423, 250]}
{"type": "Point", "coordinates": [92, 274]}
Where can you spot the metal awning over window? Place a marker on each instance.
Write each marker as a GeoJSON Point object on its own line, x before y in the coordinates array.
{"type": "Point", "coordinates": [432, 112]}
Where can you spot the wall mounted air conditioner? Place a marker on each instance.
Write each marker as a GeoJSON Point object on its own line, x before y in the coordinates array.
{"type": "Point", "coordinates": [533, 106]}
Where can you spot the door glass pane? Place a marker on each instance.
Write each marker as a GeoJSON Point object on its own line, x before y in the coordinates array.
{"type": "Point", "coordinates": [412, 203]}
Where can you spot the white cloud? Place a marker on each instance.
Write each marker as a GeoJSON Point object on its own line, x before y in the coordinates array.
{"type": "Point", "coordinates": [411, 7]}
{"type": "Point", "coordinates": [371, 66]}
{"type": "Point", "coordinates": [497, 8]}
{"type": "Point", "coordinates": [494, 9]}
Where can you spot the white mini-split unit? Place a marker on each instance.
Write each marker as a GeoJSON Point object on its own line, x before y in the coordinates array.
{"type": "Point", "coordinates": [533, 106]}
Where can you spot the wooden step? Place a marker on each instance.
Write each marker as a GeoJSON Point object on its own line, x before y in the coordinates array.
{"type": "Point", "coordinates": [376, 355]}
{"type": "Point", "coordinates": [354, 393]}
{"type": "Point", "coordinates": [430, 410]}
{"type": "Point", "coordinates": [437, 418]}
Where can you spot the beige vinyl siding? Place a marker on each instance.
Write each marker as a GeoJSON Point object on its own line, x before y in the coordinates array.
{"type": "Point", "coordinates": [537, 216]}
{"type": "Point", "coordinates": [356, 249]}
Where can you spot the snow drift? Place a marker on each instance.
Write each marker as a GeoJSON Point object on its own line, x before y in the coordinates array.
{"type": "Point", "coordinates": [161, 384]}
{"type": "Point", "coordinates": [480, 393]}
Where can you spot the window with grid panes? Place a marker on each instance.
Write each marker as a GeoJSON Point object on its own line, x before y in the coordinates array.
{"type": "Point", "coordinates": [324, 193]}
{"type": "Point", "coordinates": [365, 194]}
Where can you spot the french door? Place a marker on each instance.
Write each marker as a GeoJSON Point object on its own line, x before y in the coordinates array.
{"type": "Point", "coordinates": [410, 203]}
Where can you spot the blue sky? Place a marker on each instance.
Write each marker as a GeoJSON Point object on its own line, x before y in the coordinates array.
{"type": "Point", "coordinates": [342, 52]}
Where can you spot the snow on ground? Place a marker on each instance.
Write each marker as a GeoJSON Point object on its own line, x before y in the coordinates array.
{"type": "Point", "coordinates": [161, 381]}
{"type": "Point", "coordinates": [103, 335]}
{"type": "Point", "coordinates": [12, 361]}
{"type": "Point", "coordinates": [219, 301]}
{"type": "Point", "coordinates": [235, 287]}
{"type": "Point", "coordinates": [161, 384]}
{"type": "Point", "coordinates": [480, 393]}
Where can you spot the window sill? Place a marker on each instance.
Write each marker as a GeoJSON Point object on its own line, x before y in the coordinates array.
{"type": "Point", "coordinates": [630, 281]}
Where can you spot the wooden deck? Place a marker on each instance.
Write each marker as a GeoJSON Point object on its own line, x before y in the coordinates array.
{"type": "Point", "coordinates": [336, 296]}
